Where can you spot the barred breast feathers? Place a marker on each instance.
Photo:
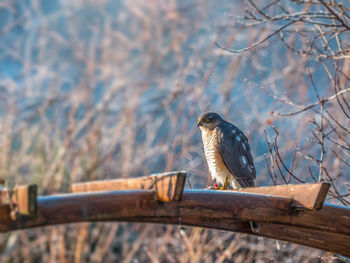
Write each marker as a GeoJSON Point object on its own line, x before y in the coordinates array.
{"type": "Point", "coordinates": [216, 165]}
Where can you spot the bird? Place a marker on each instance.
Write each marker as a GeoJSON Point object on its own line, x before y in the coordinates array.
{"type": "Point", "coordinates": [227, 152]}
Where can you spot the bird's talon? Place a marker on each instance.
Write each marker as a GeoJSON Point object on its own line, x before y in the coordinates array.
{"type": "Point", "coordinates": [220, 188]}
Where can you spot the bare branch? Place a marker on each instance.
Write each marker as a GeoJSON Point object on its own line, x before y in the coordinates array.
{"type": "Point", "coordinates": [310, 106]}
{"type": "Point", "coordinates": [255, 44]}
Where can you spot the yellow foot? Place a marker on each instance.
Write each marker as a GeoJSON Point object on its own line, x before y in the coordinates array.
{"type": "Point", "coordinates": [220, 188]}
{"type": "Point", "coordinates": [224, 187]}
{"type": "Point", "coordinates": [216, 187]}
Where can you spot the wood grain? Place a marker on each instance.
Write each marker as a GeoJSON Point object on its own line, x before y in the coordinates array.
{"type": "Point", "coordinates": [309, 196]}
{"type": "Point", "coordinates": [168, 186]}
{"type": "Point", "coordinates": [21, 198]}
{"type": "Point", "coordinates": [228, 210]}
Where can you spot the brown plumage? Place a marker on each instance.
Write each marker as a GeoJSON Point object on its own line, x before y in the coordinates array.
{"type": "Point", "coordinates": [227, 152]}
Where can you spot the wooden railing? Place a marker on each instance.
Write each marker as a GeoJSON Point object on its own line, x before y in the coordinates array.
{"type": "Point", "coordinates": [294, 213]}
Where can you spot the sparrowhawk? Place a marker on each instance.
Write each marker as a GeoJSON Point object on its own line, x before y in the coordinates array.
{"type": "Point", "coordinates": [227, 152]}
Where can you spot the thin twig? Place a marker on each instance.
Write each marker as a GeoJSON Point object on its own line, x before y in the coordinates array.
{"type": "Point", "coordinates": [280, 159]}
{"type": "Point", "coordinates": [256, 43]}
{"type": "Point", "coordinates": [308, 107]}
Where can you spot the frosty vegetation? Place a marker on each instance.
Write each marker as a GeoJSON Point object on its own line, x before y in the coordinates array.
{"type": "Point", "coordinates": [112, 89]}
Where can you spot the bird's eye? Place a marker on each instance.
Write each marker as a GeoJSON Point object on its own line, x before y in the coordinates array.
{"type": "Point", "coordinates": [206, 120]}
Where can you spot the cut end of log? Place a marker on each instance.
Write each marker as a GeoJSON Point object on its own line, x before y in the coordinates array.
{"type": "Point", "coordinates": [169, 186]}
{"type": "Point", "coordinates": [25, 197]}
{"type": "Point", "coordinates": [22, 199]}
{"type": "Point", "coordinates": [322, 194]}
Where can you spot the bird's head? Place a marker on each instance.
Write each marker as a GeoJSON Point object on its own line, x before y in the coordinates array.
{"type": "Point", "coordinates": [209, 120]}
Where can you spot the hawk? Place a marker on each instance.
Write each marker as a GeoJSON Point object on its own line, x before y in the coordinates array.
{"type": "Point", "coordinates": [227, 152]}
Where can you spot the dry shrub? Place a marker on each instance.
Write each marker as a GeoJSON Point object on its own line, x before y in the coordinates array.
{"type": "Point", "coordinates": [96, 90]}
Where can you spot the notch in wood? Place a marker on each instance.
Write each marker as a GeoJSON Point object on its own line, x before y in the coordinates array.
{"type": "Point", "coordinates": [167, 186]}
{"type": "Point", "coordinates": [304, 196]}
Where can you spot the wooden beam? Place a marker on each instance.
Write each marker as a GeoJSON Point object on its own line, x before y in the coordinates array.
{"type": "Point", "coordinates": [308, 196]}
{"type": "Point", "coordinates": [20, 199]}
{"type": "Point", "coordinates": [217, 209]}
{"type": "Point", "coordinates": [332, 242]}
{"type": "Point", "coordinates": [168, 186]}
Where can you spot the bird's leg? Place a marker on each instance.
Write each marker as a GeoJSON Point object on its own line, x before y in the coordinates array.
{"type": "Point", "coordinates": [225, 184]}
{"type": "Point", "coordinates": [216, 187]}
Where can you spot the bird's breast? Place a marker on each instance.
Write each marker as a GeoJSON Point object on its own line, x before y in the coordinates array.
{"type": "Point", "coordinates": [211, 149]}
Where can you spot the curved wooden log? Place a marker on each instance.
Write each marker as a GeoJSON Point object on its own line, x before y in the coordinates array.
{"type": "Point", "coordinates": [169, 187]}
{"type": "Point", "coordinates": [328, 228]}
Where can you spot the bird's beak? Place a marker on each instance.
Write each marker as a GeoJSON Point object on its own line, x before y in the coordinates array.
{"type": "Point", "coordinates": [198, 124]}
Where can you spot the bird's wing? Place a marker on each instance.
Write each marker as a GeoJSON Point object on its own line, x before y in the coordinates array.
{"type": "Point", "coordinates": [235, 152]}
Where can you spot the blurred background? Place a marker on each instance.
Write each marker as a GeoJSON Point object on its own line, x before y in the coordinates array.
{"type": "Point", "coordinates": [112, 89]}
